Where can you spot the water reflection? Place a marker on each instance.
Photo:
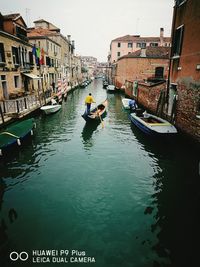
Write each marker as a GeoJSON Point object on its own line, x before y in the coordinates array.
{"type": "Point", "coordinates": [143, 200]}
{"type": "Point", "coordinates": [175, 204]}
{"type": "Point", "coordinates": [87, 133]}
{"type": "Point", "coordinates": [6, 221]}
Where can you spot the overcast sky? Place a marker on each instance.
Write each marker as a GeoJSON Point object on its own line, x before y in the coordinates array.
{"type": "Point", "coordinates": [94, 23]}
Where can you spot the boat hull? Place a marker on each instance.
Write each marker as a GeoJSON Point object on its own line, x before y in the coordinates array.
{"type": "Point", "coordinates": [15, 134]}
{"type": "Point", "coordinates": [50, 109]}
{"type": "Point", "coordinates": [111, 89]}
{"type": "Point", "coordinates": [162, 128]}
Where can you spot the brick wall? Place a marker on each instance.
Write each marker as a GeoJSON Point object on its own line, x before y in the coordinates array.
{"type": "Point", "coordinates": [184, 72]}
{"type": "Point", "coordinates": [148, 95]}
{"type": "Point", "coordinates": [188, 107]}
{"type": "Point", "coordinates": [138, 69]}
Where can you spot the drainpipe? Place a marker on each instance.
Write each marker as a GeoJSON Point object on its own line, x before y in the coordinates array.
{"type": "Point", "coordinates": [171, 52]}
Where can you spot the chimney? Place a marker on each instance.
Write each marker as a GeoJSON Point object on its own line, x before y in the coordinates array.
{"type": "Point", "coordinates": [143, 52]}
{"type": "Point", "coordinates": [73, 44]}
{"type": "Point", "coordinates": [161, 36]}
{"type": "Point", "coordinates": [69, 38]}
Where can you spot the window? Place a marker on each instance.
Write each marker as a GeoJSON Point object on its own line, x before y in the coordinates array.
{"type": "Point", "coordinates": [3, 78]}
{"type": "Point", "coordinates": [153, 44]}
{"type": "Point", "coordinates": [179, 2]}
{"type": "Point", "coordinates": [141, 45]}
{"type": "Point", "coordinates": [15, 55]}
{"type": "Point", "coordinates": [4, 86]}
{"type": "Point", "coordinates": [119, 45]}
{"type": "Point", "coordinates": [31, 58]}
{"type": "Point", "coordinates": [118, 54]}
{"type": "Point", "coordinates": [48, 61]}
{"type": "Point", "coordinates": [177, 42]}
{"type": "Point", "coordinates": [2, 53]}
{"type": "Point", "coordinates": [159, 72]}
{"type": "Point", "coordinates": [16, 81]}
{"type": "Point", "coordinates": [130, 45]}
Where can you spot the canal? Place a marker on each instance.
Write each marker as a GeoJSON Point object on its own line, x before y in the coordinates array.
{"type": "Point", "coordinates": [111, 193]}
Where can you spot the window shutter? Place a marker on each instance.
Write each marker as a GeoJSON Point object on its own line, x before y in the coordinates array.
{"type": "Point", "coordinates": [2, 53]}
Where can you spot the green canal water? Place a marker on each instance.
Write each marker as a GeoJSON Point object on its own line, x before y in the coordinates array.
{"type": "Point", "coordinates": [112, 193]}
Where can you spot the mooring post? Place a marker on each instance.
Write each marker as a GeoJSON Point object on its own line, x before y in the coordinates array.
{"type": "Point", "coordinates": [1, 112]}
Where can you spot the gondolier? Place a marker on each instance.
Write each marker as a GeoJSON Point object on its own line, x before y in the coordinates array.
{"type": "Point", "coordinates": [88, 101]}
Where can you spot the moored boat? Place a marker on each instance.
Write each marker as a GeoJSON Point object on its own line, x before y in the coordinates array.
{"type": "Point", "coordinates": [97, 113]}
{"type": "Point", "coordinates": [110, 88]}
{"type": "Point", "coordinates": [125, 102]}
{"type": "Point", "coordinates": [15, 134]}
{"type": "Point", "coordinates": [49, 109]}
{"type": "Point", "coordinates": [152, 125]}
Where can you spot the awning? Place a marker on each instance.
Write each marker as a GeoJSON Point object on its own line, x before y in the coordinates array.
{"type": "Point", "coordinates": [32, 76]}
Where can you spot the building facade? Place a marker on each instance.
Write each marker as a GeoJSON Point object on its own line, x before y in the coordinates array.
{"type": "Point", "coordinates": [18, 71]}
{"type": "Point", "coordinates": [89, 65]}
{"type": "Point", "coordinates": [145, 64]}
{"type": "Point", "coordinates": [130, 43]}
{"type": "Point", "coordinates": [184, 81]}
{"type": "Point", "coordinates": [50, 68]}
{"type": "Point", "coordinates": [61, 60]}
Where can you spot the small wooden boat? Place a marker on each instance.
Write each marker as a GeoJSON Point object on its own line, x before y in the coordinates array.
{"type": "Point", "coordinates": [49, 109]}
{"type": "Point", "coordinates": [97, 113]}
{"type": "Point", "coordinates": [152, 125]}
{"type": "Point", "coordinates": [125, 102]}
{"type": "Point", "coordinates": [15, 134]}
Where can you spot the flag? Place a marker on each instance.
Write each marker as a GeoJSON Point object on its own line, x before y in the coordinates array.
{"type": "Point", "coordinates": [42, 57]}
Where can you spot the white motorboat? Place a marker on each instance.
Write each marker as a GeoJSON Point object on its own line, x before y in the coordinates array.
{"type": "Point", "coordinates": [49, 109]}
{"type": "Point", "coordinates": [110, 88]}
{"type": "Point", "coordinates": [152, 125]}
{"type": "Point", "coordinates": [125, 102]}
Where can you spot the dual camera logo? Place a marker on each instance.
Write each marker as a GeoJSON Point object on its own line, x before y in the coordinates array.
{"type": "Point", "coordinates": [23, 256]}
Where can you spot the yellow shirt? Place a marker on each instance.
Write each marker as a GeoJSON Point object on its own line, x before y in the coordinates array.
{"type": "Point", "coordinates": [89, 99]}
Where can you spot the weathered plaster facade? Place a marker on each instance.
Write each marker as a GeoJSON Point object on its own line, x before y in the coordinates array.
{"type": "Point", "coordinates": [16, 60]}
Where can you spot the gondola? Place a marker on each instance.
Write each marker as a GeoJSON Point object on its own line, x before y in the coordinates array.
{"type": "Point", "coordinates": [97, 113]}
